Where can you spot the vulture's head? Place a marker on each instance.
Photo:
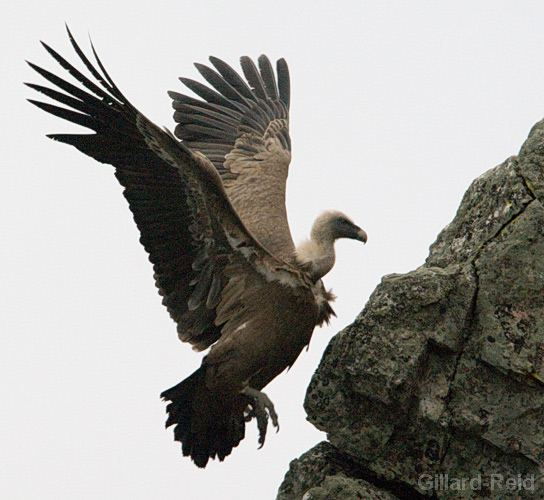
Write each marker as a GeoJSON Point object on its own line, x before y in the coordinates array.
{"type": "Point", "coordinates": [316, 255]}
{"type": "Point", "coordinates": [331, 225]}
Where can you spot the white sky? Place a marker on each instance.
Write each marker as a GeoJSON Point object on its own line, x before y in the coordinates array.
{"type": "Point", "coordinates": [396, 108]}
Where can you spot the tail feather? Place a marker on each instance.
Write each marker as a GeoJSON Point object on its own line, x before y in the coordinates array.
{"type": "Point", "coordinates": [207, 426]}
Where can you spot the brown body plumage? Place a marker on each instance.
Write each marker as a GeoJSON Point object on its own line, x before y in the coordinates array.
{"type": "Point", "coordinates": [210, 207]}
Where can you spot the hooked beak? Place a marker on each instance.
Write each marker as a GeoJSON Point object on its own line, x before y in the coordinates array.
{"type": "Point", "coordinates": [360, 235]}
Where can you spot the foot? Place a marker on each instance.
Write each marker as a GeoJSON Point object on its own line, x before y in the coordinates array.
{"type": "Point", "coordinates": [261, 408]}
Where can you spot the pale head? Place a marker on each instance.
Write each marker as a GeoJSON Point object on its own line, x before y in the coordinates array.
{"type": "Point", "coordinates": [332, 225]}
{"type": "Point", "coordinates": [317, 255]}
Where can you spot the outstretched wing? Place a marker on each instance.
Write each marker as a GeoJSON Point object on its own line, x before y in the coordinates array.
{"type": "Point", "coordinates": [243, 128]}
{"type": "Point", "coordinates": [203, 255]}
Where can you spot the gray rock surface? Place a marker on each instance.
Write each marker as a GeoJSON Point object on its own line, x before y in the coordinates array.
{"type": "Point", "coordinates": [440, 379]}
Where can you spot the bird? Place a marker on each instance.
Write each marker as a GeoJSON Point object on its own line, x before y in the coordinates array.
{"type": "Point", "coordinates": [209, 203]}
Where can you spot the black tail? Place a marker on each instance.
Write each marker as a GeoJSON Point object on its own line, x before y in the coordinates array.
{"type": "Point", "coordinates": [207, 425]}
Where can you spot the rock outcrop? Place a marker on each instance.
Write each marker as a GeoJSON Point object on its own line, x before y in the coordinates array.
{"type": "Point", "coordinates": [437, 388]}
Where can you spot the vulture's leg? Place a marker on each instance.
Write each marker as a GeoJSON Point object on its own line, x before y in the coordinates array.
{"type": "Point", "coordinates": [261, 409]}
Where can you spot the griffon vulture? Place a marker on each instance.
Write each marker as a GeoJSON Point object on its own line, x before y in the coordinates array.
{"type": "Point", "coordinates": [210, 206]}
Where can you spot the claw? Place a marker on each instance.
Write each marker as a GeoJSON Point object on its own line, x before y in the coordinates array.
{"type": "Point", "coordinates": [261, 409]}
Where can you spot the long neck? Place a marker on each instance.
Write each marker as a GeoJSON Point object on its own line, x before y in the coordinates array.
{"type": "Point", "coordinates": [317, 254]}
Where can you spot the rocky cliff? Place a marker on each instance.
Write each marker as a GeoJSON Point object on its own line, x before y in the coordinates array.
{"type": "Point", "coordinates": [437, 388]}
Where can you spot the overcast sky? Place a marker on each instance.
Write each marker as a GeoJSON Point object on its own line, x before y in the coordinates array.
{"type": "Point", "coordinates": [396, 108]}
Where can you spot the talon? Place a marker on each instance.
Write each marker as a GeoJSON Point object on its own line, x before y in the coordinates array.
{"type": "Point", "coordinates": [261, 409]}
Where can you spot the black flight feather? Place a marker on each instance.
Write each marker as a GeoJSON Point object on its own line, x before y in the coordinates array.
{"type": "Point", "coordinates": [253, 76]}
{"type": "Point", "coordinates": [268, 77]}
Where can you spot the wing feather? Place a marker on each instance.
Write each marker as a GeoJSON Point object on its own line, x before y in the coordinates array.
{"type": "Point", "coordinates": [268, 78]}
{"type": "Point", "coordinates": [253, 77]}
{"type": "Point", "coordinates": [284, 84]}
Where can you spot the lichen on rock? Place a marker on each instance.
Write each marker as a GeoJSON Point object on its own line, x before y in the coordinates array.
{"type": "Point", "coordinates": [441, 376]}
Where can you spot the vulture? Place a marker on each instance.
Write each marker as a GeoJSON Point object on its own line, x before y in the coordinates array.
{"type": "Point", "coordinates": [209, 202]}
